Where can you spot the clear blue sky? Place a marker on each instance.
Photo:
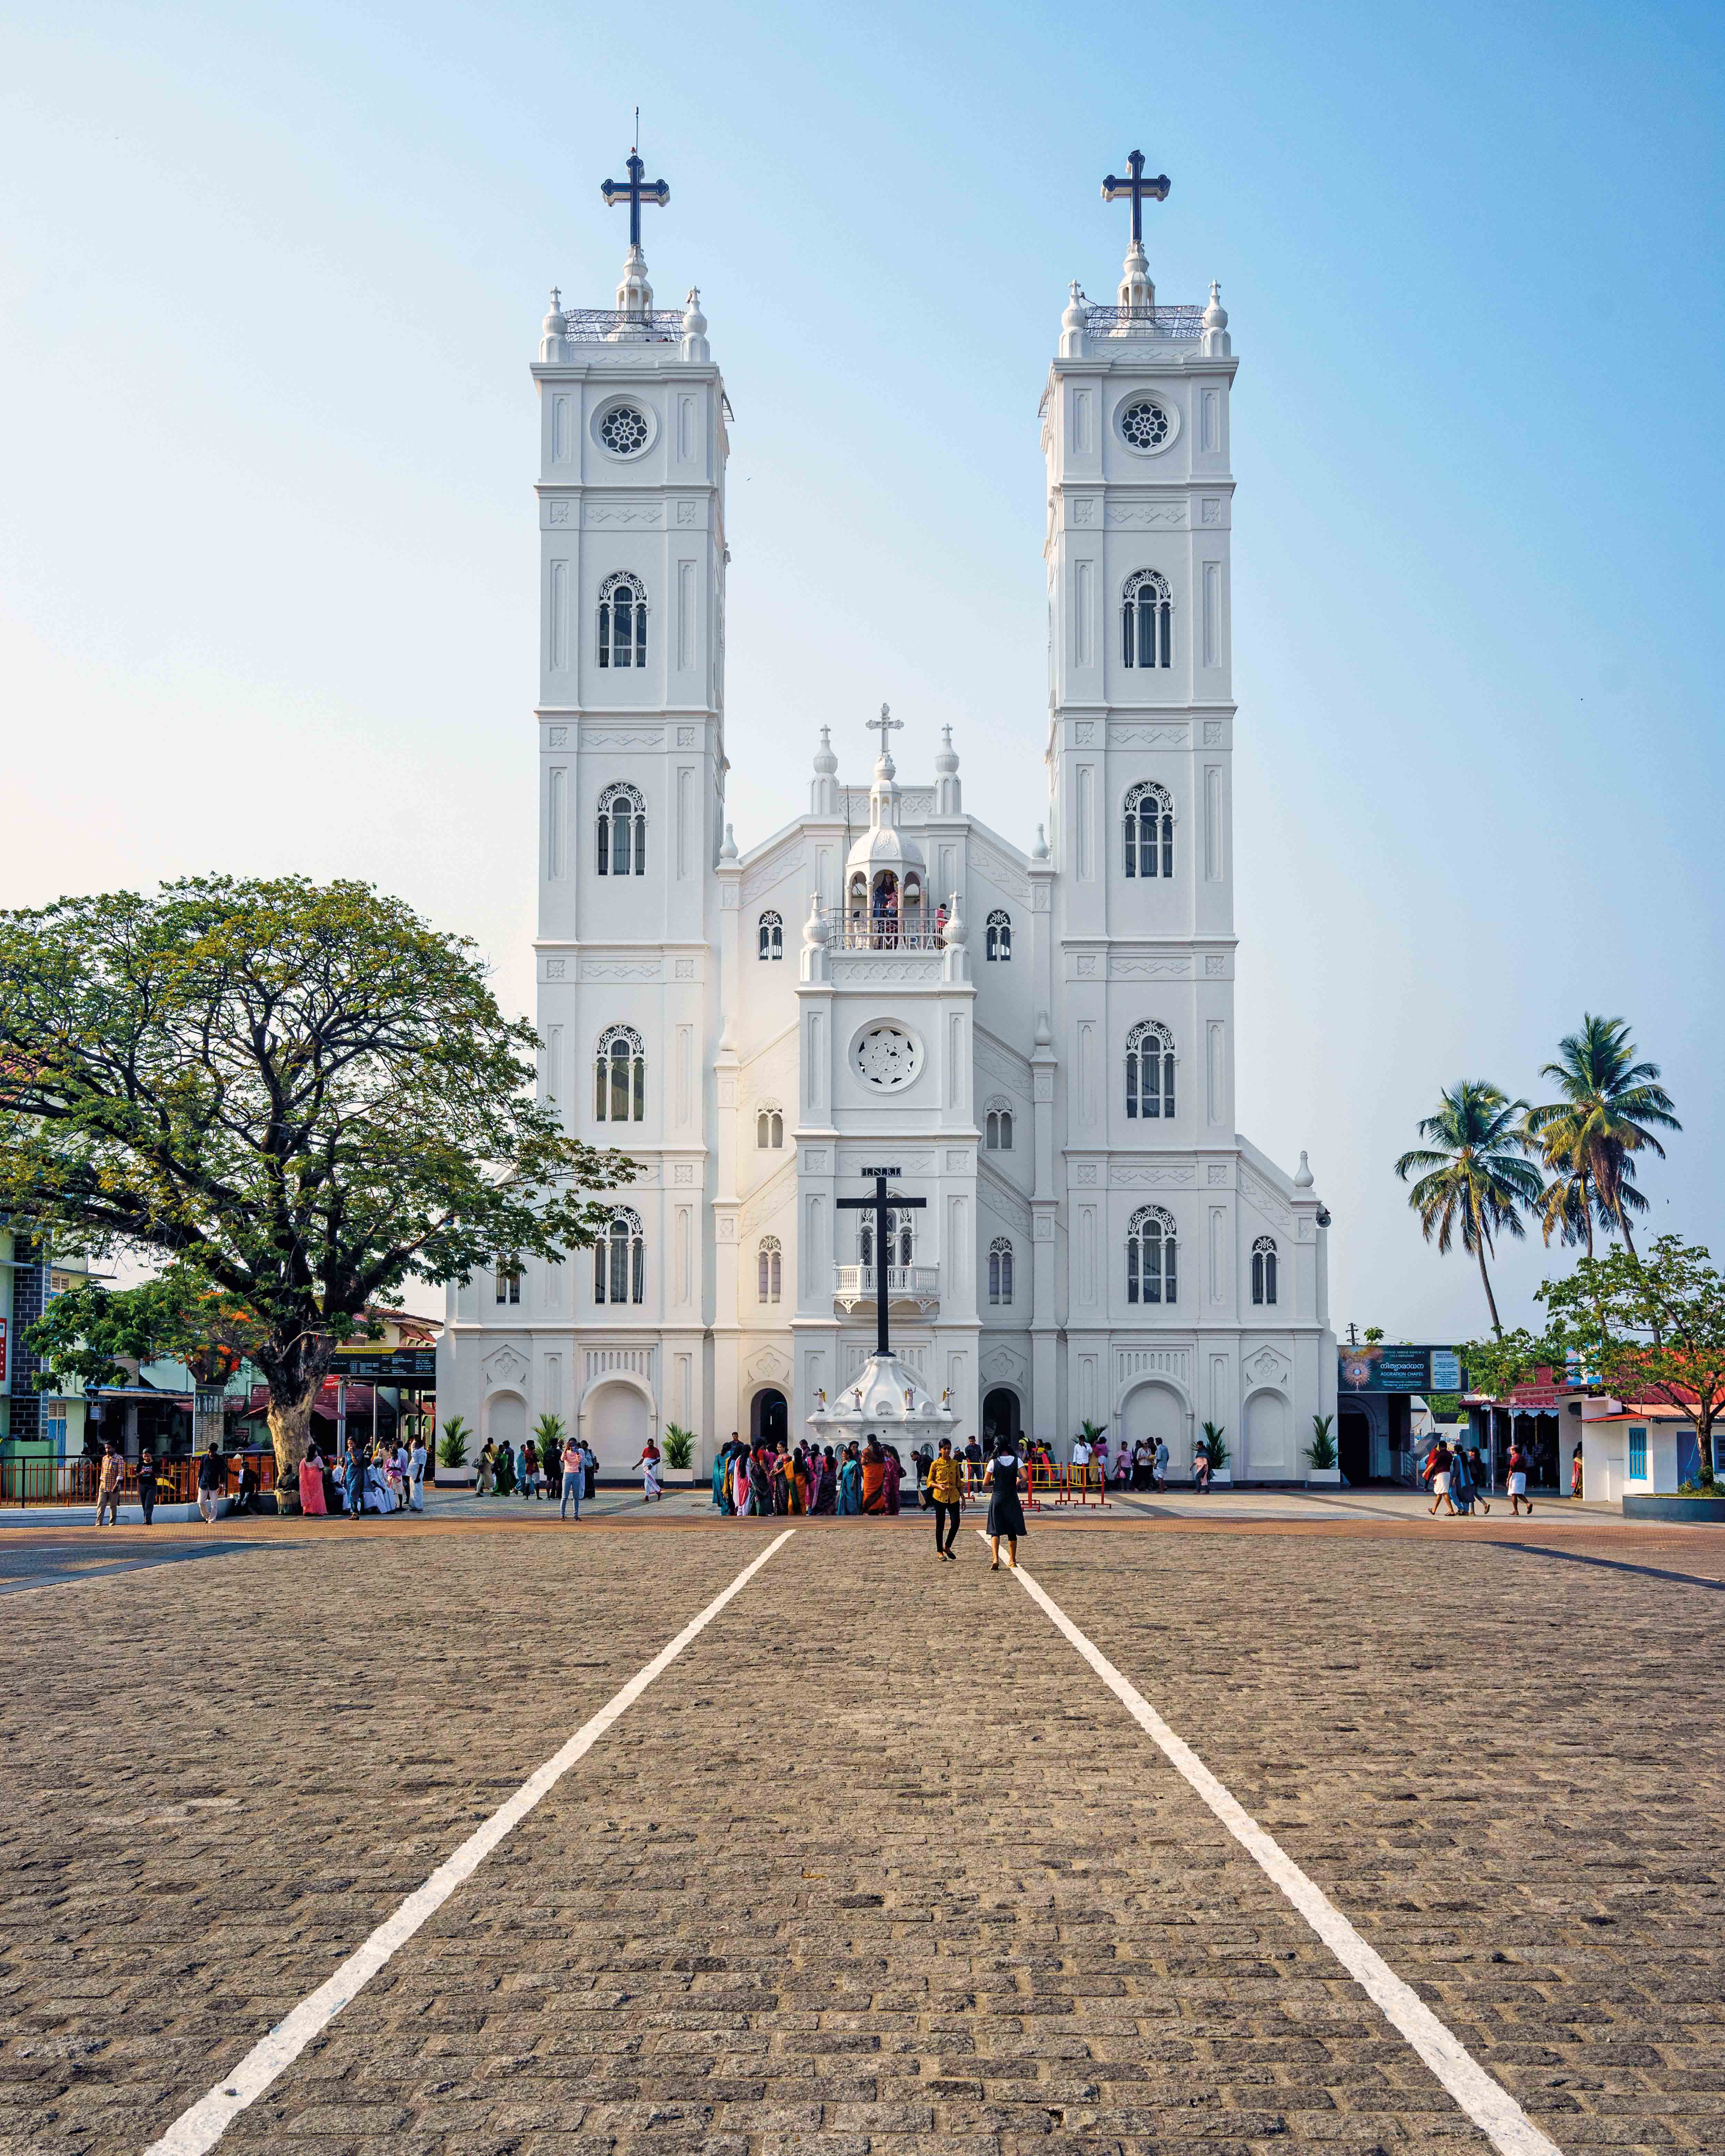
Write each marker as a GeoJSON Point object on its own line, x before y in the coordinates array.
{"type": "Point", "coordinates": [271, 279]}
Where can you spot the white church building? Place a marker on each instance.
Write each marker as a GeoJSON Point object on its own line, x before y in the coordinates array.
{"type": "Point", "coordinates": [1035, 1032]}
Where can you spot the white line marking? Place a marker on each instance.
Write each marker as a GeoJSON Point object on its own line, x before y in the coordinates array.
{"type": "Point", "coordinates": [1486, 2102]}
{"type": "Point", "coordinates": [199, 2129]}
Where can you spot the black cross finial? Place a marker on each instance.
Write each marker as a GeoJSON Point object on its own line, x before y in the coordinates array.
{"type": "Point", "coordinates": [880, 1205]}
{"type": "Point", "coordinates": [1136, 187]}
{"type": "Point", "coordinates": [636, 191]}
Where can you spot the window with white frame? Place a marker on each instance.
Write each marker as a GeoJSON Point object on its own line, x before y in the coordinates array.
{"type": "Point", "coordinates": [999, 936]}
{"type": "Point", "coordinates": [769, 1127]}
{"type": "Point", "coordinates": [619, 1261]}
{"type": "Point", "coordinates": [621, 848]}
{"type": "Point", "coordinates": [1000, 1271]}
{"type": "Point", "coordinates": [997, 1126]}
{"type": "Point", "coordinates": [901, 1238]}
{"type": "Point", "coordinates": [1149, 1069]}
{"type": "Point", "coordinates": [506, 1280]}
{"type": "Point", "coordinates": [770, 940]}
{"type": "Point", "coordinates": [1264, 1270]}
{"type": "Point", "coordinates": [768, 1261]}
{"type": "Point", "coordinates": [1149, 830]}
{"type": "Point", "coordinates": [1147, 621]}
{"type": "Point", "coordinates": [53, 1426]}
{"type": "Point", "coordinates": [620, 1077]}
{"type": "Point", "coordinates": [1150, 1252]}
{"type": "Point", "coordinates": [622, 620]}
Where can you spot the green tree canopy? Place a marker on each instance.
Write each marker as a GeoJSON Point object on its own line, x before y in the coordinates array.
{"type": "Point", "coordinates": [1473, 1177]}
{"type": "Point", "coordinates": [1610, 1106]}
{"type": "Point", "coordinates": [295, 1094]}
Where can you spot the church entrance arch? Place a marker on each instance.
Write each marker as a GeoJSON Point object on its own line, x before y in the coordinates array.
{"type": "Point", "coordinates": [615, 1419]}
{"type": "Point", "coordinates": [1152, 1412]}
{"type": "Point", "coordinates": [1002, 1416]}
{"type": "Point", "coordinates": [506, 1419]}
{"type": "Point", "coordinates": [1269, 1456]}
{"type": "Point", "coordinates": [769, 1418]}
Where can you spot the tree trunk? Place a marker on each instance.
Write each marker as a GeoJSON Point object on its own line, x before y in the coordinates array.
{"type": "Point", "coordinates": [290, 1416]}
{"type": "Point", "coordinates": [1479, 1251]}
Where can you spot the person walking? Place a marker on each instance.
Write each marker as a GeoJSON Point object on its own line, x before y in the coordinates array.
{"type": "Point", "coordinates": [648, 1465]}
{"type": "Point", "coordinates": [1442, 1468]}
{"type": "Point", "coordinates": [353, 1478]}
{"type": "Point", "coordinates": [1460, 1483]}
{"type": "Point", "coordinates": [574, 1478]}
{"type": "Point", "coordinates": [1477, 1475]}
{"type": "Point", "coordinates": [148, 1484]}
{"type": "Point", "coordinates": [110, 1476]}
{"type": "Point", "coordinates": [1162, 1464]}
{"type": "Point", "coordinates": [211, 1475]}
{"type": "Point", "coordinates": [1006, 1515]}
{"type": "Point", "coordinates": [486, 1480]}
{"type": "Point", "coordinates": [945, 1495]}
{"type": "Point", "coordinates": [530, 1471]}
{"type": "Point", "coordinates": [1515, 1474]}
{"type": "Point", "coordinates": [592, 1460]}
{"type": "Point", "coordinates": [1201, 1468]}
{"type": "Point", "coordinates": [416, 1474]}
{"type": "Point", "coordinates": [1575, 1471]}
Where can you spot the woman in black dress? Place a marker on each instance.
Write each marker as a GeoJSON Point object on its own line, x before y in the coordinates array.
{"type": "Point", "coordinates": [1006, 1516]}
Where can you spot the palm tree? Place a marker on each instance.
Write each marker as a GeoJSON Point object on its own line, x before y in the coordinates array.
{"type": "Point", "coordinates": [1476, 1175]}
{"type": "Point", "coordinates": [1611, 1106]}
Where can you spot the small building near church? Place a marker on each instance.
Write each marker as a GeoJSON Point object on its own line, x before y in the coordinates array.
{"type": "Point", "coordinates": [1646, 1448]}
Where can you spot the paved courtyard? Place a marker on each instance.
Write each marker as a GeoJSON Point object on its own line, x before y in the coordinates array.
{"type": "Point", "coordinates": [879, 1861]}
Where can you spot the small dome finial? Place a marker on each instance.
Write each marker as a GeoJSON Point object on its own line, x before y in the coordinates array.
{"type": "Point", "coordinates": [728, 852]}
{"type": "Point", "coordinates": [826, 763]}
{"type": "Point", "coordinates": [1039, 852]}
{"type": "Point", "coordinates": [1215, 316]}
{"type": "Point", "coordinates": [1302, 1179]}
{"type": "Point", "coordinates": [946, 761]}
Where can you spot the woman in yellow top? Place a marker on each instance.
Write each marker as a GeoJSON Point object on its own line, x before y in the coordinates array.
{"type": "Point", "coordinates": [945, 1494]}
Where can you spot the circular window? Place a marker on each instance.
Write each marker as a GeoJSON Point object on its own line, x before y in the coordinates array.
{"type": "Point", "coordinates": [1145, 425]}
{"type": "Point", "coordinates": [624, 430]}
{"type": "Point", "coordinates": [886, 1056]}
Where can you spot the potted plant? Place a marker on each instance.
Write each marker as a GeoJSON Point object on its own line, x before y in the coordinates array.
{"type": "Point", "coordinates": [1215, 1442]}
{"type": "Point", "coordinates": [1322, 1462]}
{"type": "Point", "coordinates": [453, 1466]}
{"type": "Point", "coordinates": [678, 1465]}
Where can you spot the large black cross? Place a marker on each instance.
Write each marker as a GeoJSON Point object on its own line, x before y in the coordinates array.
{"type": "Point", "coordinates": [879, 1205]}
{"type": "Point", "coordinates": [636, 190]}
{"type": "Point", "coordinates": [1138, 188]}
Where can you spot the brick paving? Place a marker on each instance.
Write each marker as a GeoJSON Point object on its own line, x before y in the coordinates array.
{"type": "Point", "coordinates": [877, 1865]}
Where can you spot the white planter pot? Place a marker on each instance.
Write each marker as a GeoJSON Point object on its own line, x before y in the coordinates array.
{"type": "Point", "coordinates": [451, 1478]}
{"type": "Point", "coordinates": [1221, 1475]}
{"type": "Point", "coordinates": [668, 1476]}
{"type": "Point", "coordinates": [1323, 1474]}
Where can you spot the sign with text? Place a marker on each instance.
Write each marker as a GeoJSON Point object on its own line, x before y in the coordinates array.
{"type": "Point", "coordinates": [881, 1171]}
{"type": "Point", "coordinates": [387, 1365]}
{"type": "Point", "coordinates": [1396, 1367]}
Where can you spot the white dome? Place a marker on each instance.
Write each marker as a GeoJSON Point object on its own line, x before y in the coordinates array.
{"type": "Point", "coordinates": [885, 846]}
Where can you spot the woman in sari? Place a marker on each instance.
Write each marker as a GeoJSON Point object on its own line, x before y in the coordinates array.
{"type": "Point", "coordinates": [761, 1483]}
{"type": "Point", "coordinates": [506, 1469]}
{"type": "Point", "coordinates": [797, 1483]}
{"type": "Point", "coordinates": [487, 1470]}
{"type": "Point", "coordinates": [722, 1480]}
{"type": "Point", "coordinates": [850, 1482]}
{"type": "Point", "coordinates": [311, 1484]}
{"type": "Point", "coordinates": [894, 1475]}
{"type": "Point", "coordinates": [820, 1495]}
{"type": "Point", "coordinates": [740, 1482]}
{"type": "Point", "coordinates": [874, 1478]}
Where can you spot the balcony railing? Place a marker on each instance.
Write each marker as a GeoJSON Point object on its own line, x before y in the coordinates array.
{"type": "Point", "coordinates": [855, 934]}
{"type": "Point", "coordinates": [918, 1284]}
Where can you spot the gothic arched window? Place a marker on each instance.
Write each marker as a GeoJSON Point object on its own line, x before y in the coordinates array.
{"type": "Point", "coordinates": [1264, 1270]}
{"type": "Point", "coordinates": [999, 933]}
{"type": "Point", "coordinates": [619, 1261]}
{"type": "Point", "coordinates": [1000, 1270]}
{"type": "Point", "coordinates": [770, 942]}
{"type": "Point", "coordinates": [622, 848]}
{"type": "Point", "coordinates": [768, 1260]}
{"type": "Point", "coordinates": [1149, 830]}
{"type": "Point", "coordinates": [622, 620]}
{"type": "Point", "coordinates": [1150, 1256]}
{"type": "Point", "coordinates": [901, 1238]}
{"type": "Point", "coordinates": [1147, 621]}
{"type": "Point", "coordinates": [1149, 1069]}
{"type": "Point", "coordinates": [997, 1128]}
{"type": "Point", "coordinates": [769, 1127]}
{"type": "Point", "coordinates": [620, 1077]}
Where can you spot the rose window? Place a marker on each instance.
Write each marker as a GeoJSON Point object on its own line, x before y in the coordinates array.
{"type": "Point", "coordinates": [1144, 426]}
{"type": "Point", "coordinates": [623, 431]}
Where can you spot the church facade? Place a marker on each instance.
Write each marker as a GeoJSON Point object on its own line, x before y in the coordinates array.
{"type": "Point", "coordinates": [1034, 1033]}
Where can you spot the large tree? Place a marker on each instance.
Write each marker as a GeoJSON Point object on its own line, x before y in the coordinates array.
{"type": "Point", "coordinates": [294, 1095]}
{"type": "Point", "coordinates": [1610, 1105]}
{"type": "Point", "coordinates": [1474, 1176]}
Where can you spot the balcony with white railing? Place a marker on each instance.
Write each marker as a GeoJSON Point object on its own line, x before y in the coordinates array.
{"type": "Point", "coordinates": [919, 1285]}
{"type": "Point", "coordinates": [857, 934]}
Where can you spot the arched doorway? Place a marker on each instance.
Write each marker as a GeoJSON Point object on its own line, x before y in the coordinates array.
{"type": "Point", "coordinates": [615, 1419]}
{"type": "Point", "coordinates": [1153, 1411]}
{"type": "Point", "coordinates": [1268, 1454]}
{"type": "Point", "coordinates": [769, 1418]}
{"type": "Point", "coordinates": [1000, 1416]}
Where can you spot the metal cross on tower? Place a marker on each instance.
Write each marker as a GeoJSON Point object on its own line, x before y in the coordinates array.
{"type": "Point", "coordinates": [634, 192]}
{"type": "Point", "coordinates": [880, 1205]}
{"type": "Point", "coordinates": [1136, 188]}
{"type": "Point", "coordinates": [884, 725]}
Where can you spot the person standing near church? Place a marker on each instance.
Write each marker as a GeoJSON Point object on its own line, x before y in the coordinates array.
{"type": "Point", "coordinates": [945, 1494]}
{"type": "Point", "coordinates": [574, 1478]}
{"type": "Point", "coordinates": [109, 1477]}
{"type": "Point", "coordinates": [1006, 1515]}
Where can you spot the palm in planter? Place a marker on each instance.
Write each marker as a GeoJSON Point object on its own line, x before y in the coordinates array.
{"type": "Point", "coordinates": [1322, 1453]}
{"type": "Point", "coordinates": [452, 1446]}
{"type": "Point", "coordinates": [1216, 1444]}
{"type": "Point", "coordinates": [679, 1446]}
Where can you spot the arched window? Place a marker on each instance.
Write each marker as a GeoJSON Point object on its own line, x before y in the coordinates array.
{"type": "Point", "coordinates": [901, 1238]}
{"type": "Point", "coordinates": [1150, 1256]}
{"type": "Point", "coordinates": [622, 620]}
{"type": "Point", "coordinates": [619, 1262]}
{"type": "Point", "coordinates": [1000, 1271]}
{"type": "Point", "coordinates": [769, 1127]}
{"type": "Point", "coordinates": [1149, 830]}
{"type": "Point", "coordinates": [1149, 1069]}
{"type": "Point", "coordinates": [997, 1126]}
{"type": "Point", "coordinates": [1264, 1270]}
{"type": "Point", "coordinates": [771, 943]}
{"type": "Point", "coordinates": [1000, 934]}
{"type": "Point", "coordinates": [1146, 621]}
{"type": "Point", "coordinates": [620, 1077]}
{"type": "Point", "coordinates": [622, 849]}
{"type": "Point", "coordinates": [768, 1260]}
{"type": "Point", "coordinates": [508, 1279]}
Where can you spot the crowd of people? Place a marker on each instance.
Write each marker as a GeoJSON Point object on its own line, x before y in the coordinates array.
{"type": "Point", "coordinates": [365, 1478]}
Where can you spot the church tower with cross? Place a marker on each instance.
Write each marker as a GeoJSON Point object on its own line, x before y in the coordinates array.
{"type": "Point", "coordinates": [889, 1072]}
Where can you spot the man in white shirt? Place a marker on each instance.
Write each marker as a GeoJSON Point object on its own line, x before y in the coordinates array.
{"type": "Point", "coordinates": [1080, 1450]}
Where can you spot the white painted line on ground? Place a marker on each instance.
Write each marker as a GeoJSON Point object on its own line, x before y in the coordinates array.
{"type": "Point", "coordinates": [1486, 2102]}
{"type": "Point", "coordinates": [198, 2129]}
